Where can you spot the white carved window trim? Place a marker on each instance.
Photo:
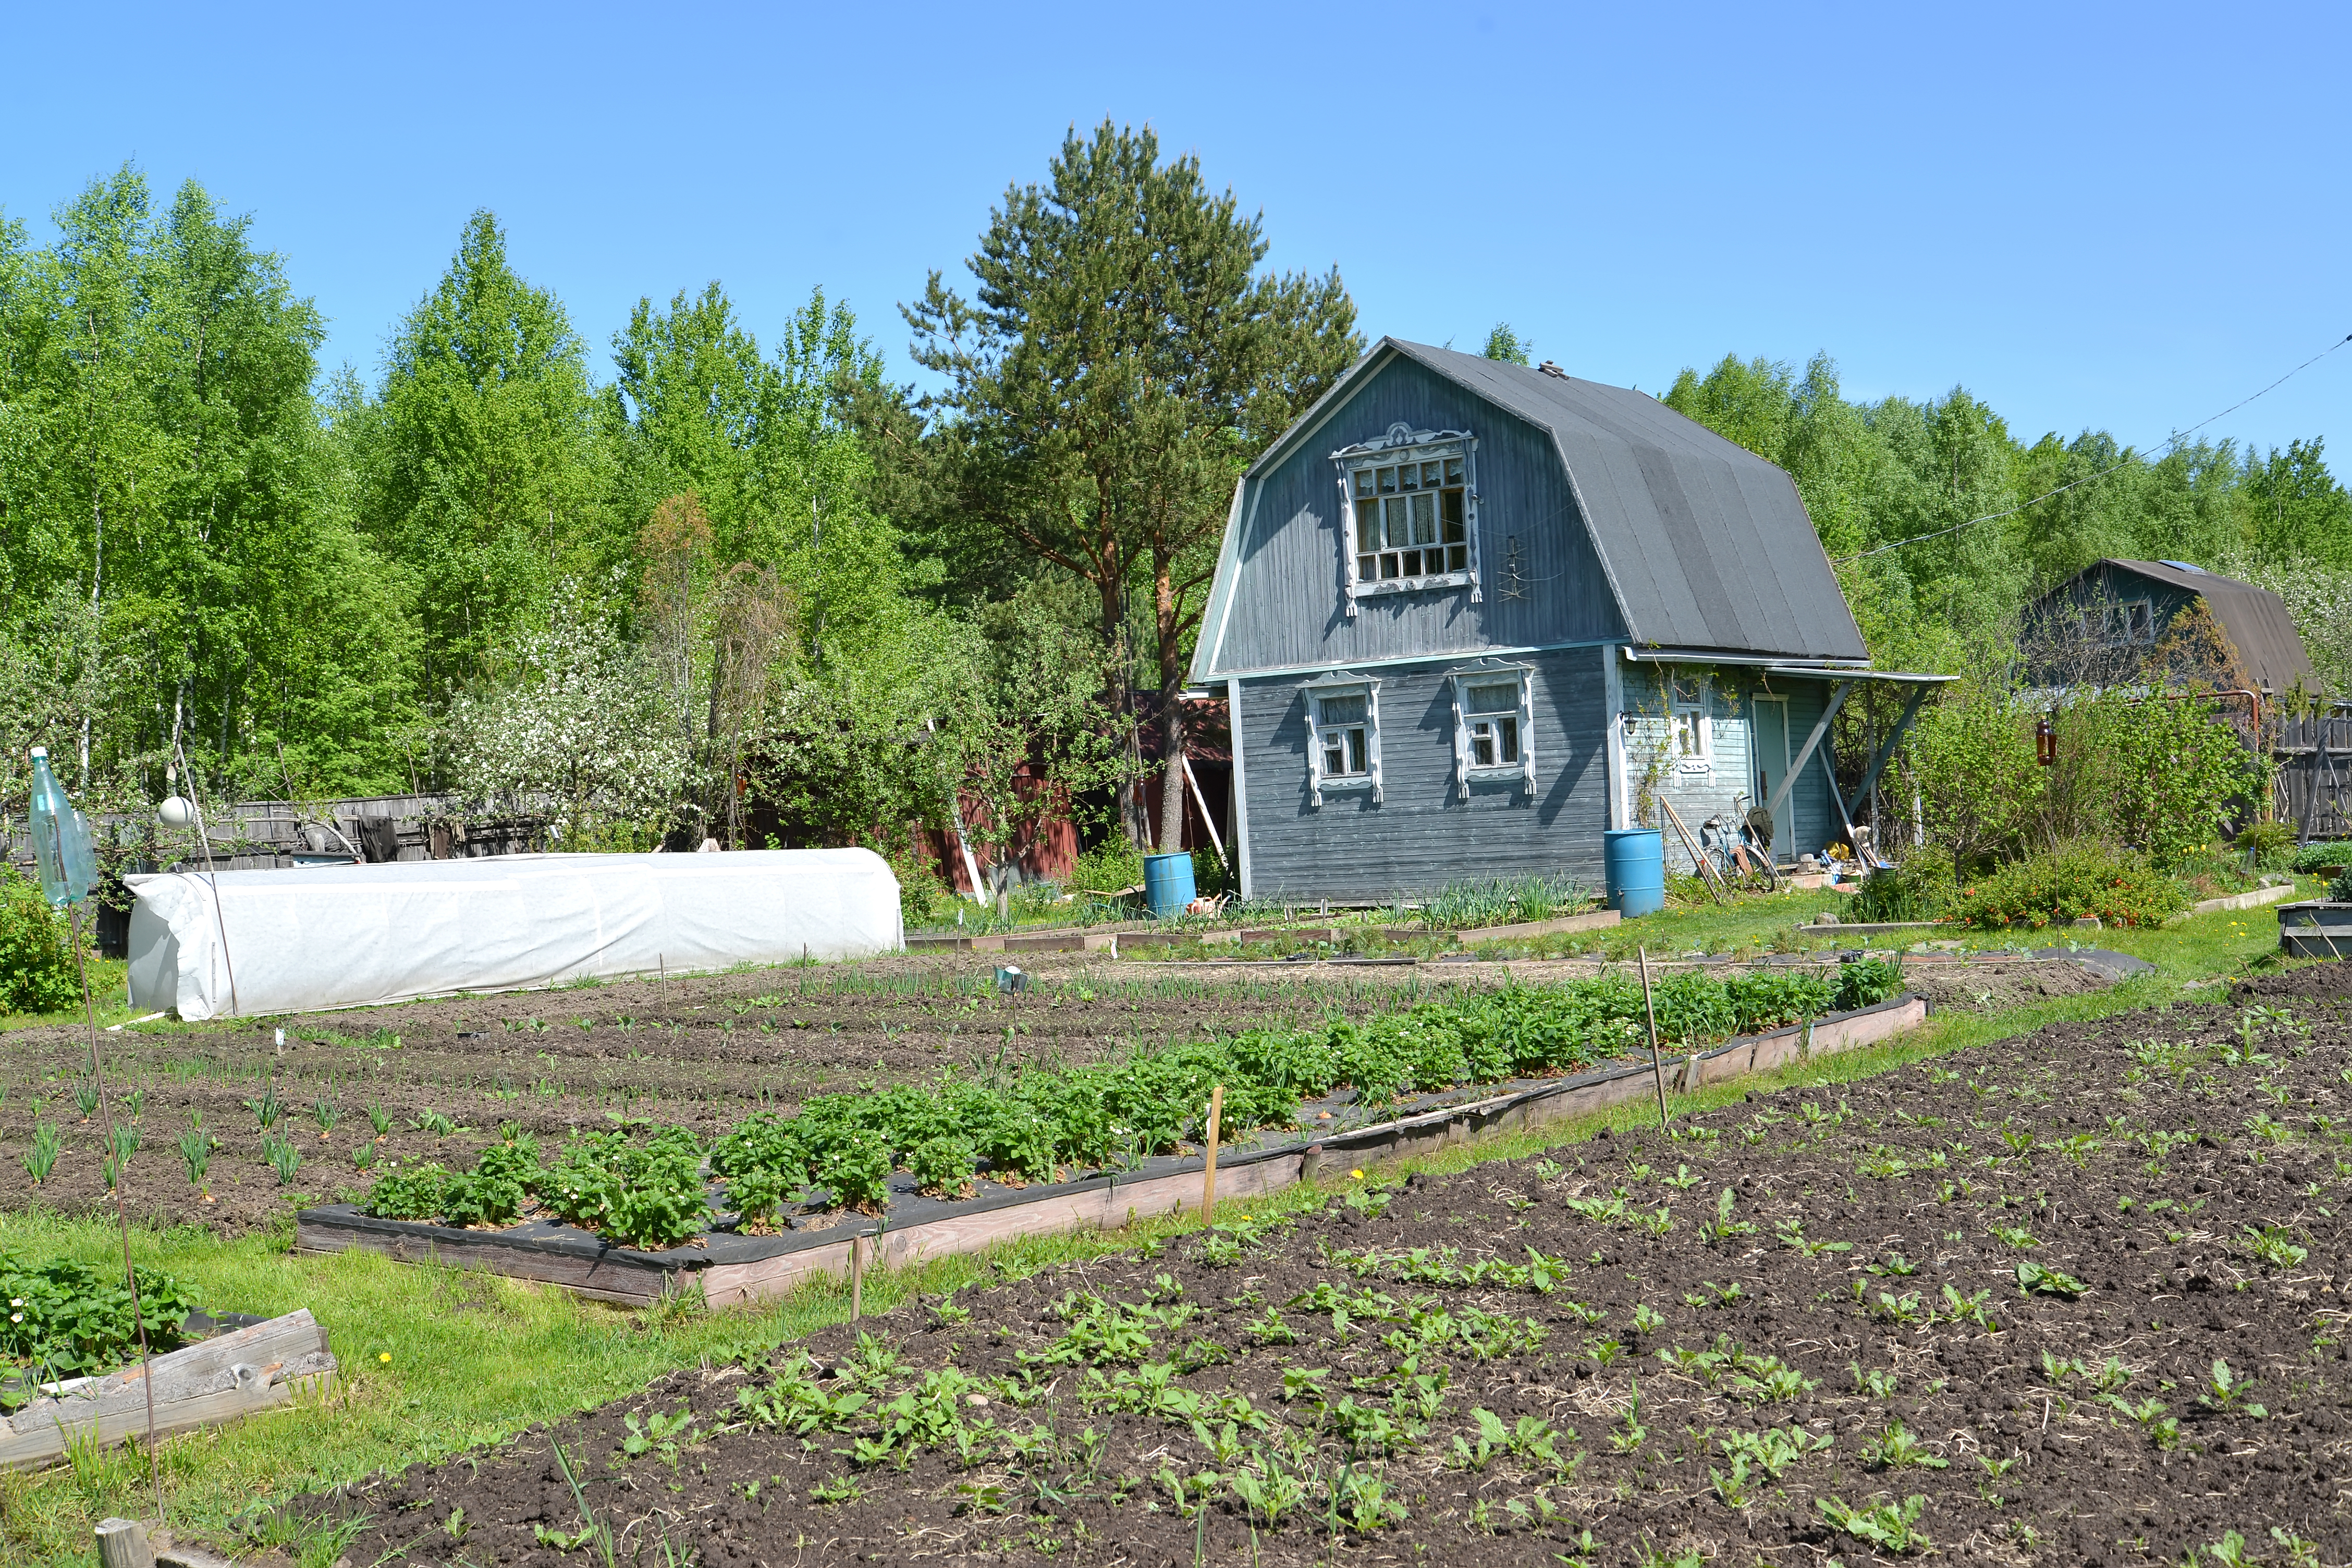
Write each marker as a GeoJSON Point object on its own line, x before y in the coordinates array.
{"type": "Point", "coordinates": [1492, 673]}
{"type": "Point", "coordinates": [1342, 683]}
{"type": "Point", "coordinates": [1694, 719]}
{"type": "Point", "coordinates": [1404, 444]}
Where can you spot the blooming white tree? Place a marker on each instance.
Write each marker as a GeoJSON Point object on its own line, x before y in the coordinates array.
{"type": "Point", "coordinates": [576, 717]}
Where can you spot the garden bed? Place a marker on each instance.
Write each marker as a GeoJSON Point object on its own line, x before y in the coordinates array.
{"type": "Point", "coordinates": [732, 1268]}
{"type": "Point", "coordinates": [2075, 1296]}
{"type": "Point", "coordinates": [2315, 929]}
{"type": "Point", "coordinates": [699, 1053]}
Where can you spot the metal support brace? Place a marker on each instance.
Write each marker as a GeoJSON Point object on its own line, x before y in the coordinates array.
{"type": "Point", "coordinates": [1887, 752]}
{"type": "Point", "coordinates": [1837, 798]}
{"type": "Point", "coordinates": [1805, 755]}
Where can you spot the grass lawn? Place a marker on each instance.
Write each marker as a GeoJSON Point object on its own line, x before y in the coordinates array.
{"type": "Point", "coordinates": [437, 1361]}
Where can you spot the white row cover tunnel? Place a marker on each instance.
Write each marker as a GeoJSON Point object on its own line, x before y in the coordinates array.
{"type": "Point", "coordinates": [352, 936]}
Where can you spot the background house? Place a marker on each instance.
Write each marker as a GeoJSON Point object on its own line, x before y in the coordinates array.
{"type": "Point", "coordinates": [2172, 624]}
{"type": "Point", "coordinates": [1468, 615]}
{"type": "Point", "coordinates": [2129, 620]}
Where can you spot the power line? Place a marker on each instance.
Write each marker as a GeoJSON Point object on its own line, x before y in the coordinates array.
{"type": "Point", "coordinates": [2129, 457]}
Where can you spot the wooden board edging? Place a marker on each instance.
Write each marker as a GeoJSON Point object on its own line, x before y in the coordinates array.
{"type": "Point", "coordinates": [215, 1379]}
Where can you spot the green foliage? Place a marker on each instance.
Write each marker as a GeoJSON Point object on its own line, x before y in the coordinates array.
{"type": "Point", "coordinates": [1111, 1113]}
{"type": "Point", "coordinates": [1921, 888]}
{"type": "Point", "coordinates": [2075, 879]}
{"type": "Point", "coordinates": [481, 432]}
{"type": "Point", "coordinates": [1504, 900]}
{"type": "Point", "coordinates": [640, 1187]}
{"type": "Point", "coordinates": [2340, 889]}
{"type": "Point", "coordinates": [943, 1166]}
{"type": "Point", "coordinates": [2161, 776]}
{"type": "Point", "coordinates": [412, 1193]}
{"type": "Point", "coordinates": [1115, 864]}
{"type": "Point", "coordinates": [492, 1193]}
{"type": "Point", "coordinates": [69, 1320]}
{"type": "Point", "coordinates": [40, 1156]}
{"type": "Point", "coordinates": [36, 966]}
{"type": "Point", "coordinates": [178, 543]}
{"type": "Point", "coordinates": [1123, 361]}
{"type": "Point", "coordinates": [1503, 343]}
{"type": "Point", "coordinates": [2324, 855]}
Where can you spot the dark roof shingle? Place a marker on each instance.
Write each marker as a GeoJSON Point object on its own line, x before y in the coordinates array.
{"type": "Point", "coordinates": [1706, 545]}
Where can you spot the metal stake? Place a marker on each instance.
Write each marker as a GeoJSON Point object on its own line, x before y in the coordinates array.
{"type": "Point", "coordinates": [121, 1216]}
{"type": "Point", "coordinates": [1657, 1066]}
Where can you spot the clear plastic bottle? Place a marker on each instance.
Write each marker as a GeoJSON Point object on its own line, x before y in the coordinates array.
{"type": "Point", "coordinates": [62, 846]}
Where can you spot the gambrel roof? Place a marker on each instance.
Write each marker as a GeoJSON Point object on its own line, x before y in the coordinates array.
{"type": "Point", "coordinates": [1704, 546]}
{"type": "Point", "coordinates": [2255, 618]}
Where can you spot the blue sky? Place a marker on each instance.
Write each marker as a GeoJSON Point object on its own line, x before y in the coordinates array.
{"type": "Point", "coordinates": [2126, 217]}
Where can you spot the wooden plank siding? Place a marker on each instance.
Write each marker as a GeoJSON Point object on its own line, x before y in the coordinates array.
{"type": "Point", "coordinates": [1424, 834]}
{"type": "Point", "coordinates": [1289, 603]}
{"type": "Point", "coordinates": [1730, 705]}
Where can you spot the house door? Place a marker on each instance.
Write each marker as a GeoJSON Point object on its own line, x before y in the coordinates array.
{"type": "Point", "coordinates": [1771, 767]}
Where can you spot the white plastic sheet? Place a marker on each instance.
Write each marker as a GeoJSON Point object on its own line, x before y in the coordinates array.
{"type": "Point", "coordinates": [350, 936]}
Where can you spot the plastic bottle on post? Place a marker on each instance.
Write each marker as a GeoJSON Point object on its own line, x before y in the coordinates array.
{"type": "Point", "coordinates": [62, 846]}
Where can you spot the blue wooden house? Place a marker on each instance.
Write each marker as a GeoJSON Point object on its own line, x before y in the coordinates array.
{"type": "Point", "coordinates": [1467, 615]}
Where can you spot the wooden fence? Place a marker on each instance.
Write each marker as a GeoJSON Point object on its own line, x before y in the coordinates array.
{"type": "Point", "coordinates": [2313, 786]}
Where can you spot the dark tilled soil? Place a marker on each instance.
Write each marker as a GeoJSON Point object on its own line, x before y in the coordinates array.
{"type": "Point", "coordinates": [1996, 987]}
{"type": "Point", "coordinates": [2183, 1166]}
{"type": "Point", "coordinates": [700, 1051]}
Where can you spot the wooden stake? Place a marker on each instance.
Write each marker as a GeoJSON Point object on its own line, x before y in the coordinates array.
{"type": "Point", "coordinates": [122, 1544]}
{"type": "Point", "coordinates": [1209, 1171]}
{"type": "Point", "coordinates": [1657, 1066]}
{"type": "Point", "coordinates": [856, 1278]}
{"type": "Point", "coordinates": [1707, 871]}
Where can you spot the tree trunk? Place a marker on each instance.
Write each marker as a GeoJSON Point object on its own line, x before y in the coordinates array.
{"type": "Point", "coordinates": [1171, 705]}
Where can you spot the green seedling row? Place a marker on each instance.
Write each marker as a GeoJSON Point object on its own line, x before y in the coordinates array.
{"type": "Point", "coordinates": [645, 1185]}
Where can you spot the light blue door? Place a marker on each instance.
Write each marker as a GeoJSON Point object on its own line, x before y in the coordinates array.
{"type": "Point", "coordinates": [1771, 763]}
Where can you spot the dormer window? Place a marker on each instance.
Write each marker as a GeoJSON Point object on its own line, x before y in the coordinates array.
{"type": "Point", "coordinates": [1410, 513]}
{"type": "Point", "coordinates": [1412, 521]}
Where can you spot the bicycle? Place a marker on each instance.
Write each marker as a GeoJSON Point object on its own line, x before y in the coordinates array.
{"type": "Point", "coordinates": [1747, 856]}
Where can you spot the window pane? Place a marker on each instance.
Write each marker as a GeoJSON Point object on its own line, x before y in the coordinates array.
{"type": "Point", "coordinates": [1388, 482]}
{"type": "Point", "coordinates": [1340, 711]}
{"type": "Point", "coordinates": [1368, 525]}
{"type": "Point", "coordinates": [1363, 481]}
{"type": "Point", "coordinates": [1450, 509]}
{"type": "Point", "coordinates": [1409, 476]}
{"type": "Point", "coordinates": [1457, 559]}
{"type": "Point", "coordinates": [1510, 732]}
{"type": "Point", "coordinates": [1425, 519]}
{"type": "Point", "coordinates": [1453, 470]}
{"type": "Point", "coordinates": [1357, 763]}
{"type": "Point", "coordinates": [1482, 746]}
{"type": "Point", "coordinates": [1389, 565]}
{"type": "Point", "coordinates": [1367, 568]}
{"type": "Point", "coordinates": [1429, 475]}
{"type": "Point", "coordinates": [1396, 510]}
{"type": "Point", "coordinates": [1334, 757]}
{"type": "Point", "coordinates": [1492, 699]}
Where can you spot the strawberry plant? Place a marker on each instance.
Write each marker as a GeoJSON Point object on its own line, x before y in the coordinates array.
{"type": "Point", "coordinates": [944, 1166]}
{"type": "Point", "coordinates": [412, 1193]}
{"type": "Point", "coordinates": [647, 1194]}
{"type": "Point", "coordinates": [68, 1320]}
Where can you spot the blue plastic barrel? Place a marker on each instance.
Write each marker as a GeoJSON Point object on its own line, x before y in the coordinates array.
{"type": "Point", "coordinates": [1634, 861]}
{"type": "Point", "coordinates": [1168, 883]}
